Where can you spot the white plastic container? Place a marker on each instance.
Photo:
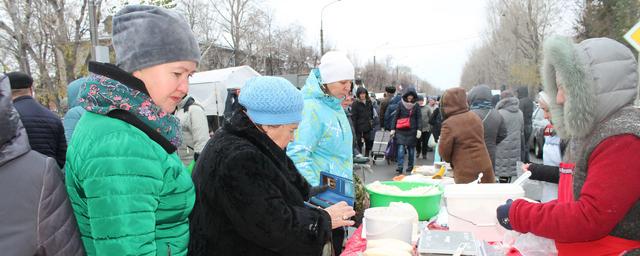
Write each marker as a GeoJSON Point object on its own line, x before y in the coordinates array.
{"type": "Point", "coordinates": [388, 223]}
{"type": "Point", "coordinates": [472, 208]}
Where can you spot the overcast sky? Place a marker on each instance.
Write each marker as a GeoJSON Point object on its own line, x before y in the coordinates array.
{"type": "Point", "coordinates": [433, 37]}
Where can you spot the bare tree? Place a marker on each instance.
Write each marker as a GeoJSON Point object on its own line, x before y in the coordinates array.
{"type": "Point", "coordinates": [47, 35]}
{"type": "Point", "coordinates": [510, 54]}
{"type": "Point", "coordinates": [233, 20]}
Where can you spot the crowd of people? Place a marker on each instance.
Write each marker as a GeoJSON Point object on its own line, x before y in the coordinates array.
{"type": "Point", "coordinates": [133, 169]}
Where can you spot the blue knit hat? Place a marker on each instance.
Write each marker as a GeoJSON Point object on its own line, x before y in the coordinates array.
{"type": "Point", "coordinates": [272, 101]}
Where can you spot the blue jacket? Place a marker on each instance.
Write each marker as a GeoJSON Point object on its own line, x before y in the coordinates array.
{"type": "Point", "coordinates": [75, 111]}
{"type": "Point", "coordinates": [323, 141]}
{"type": "Point", "coordinates": [389, 113]}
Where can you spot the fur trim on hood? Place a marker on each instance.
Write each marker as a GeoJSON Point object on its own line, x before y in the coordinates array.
{"type": "Point", "coordinates": [410, 91]}
{"type": "Point", "coordinates": [510, 104]}
{"type": "Point", "coordinates": [599, 76]}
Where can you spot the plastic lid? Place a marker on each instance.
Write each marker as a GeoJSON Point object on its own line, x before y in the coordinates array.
{"type": "Point", "coordinates": [388, 213]}
{"type": "Point", "coordinates": [482, 190]}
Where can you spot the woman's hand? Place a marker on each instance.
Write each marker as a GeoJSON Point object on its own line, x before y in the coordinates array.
{"type": "Point", "coordinates": [341, 214]}
{"type": "Point", "coordinates": [525, 167]}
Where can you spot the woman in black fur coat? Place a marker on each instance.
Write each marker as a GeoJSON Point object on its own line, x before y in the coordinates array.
{"type": "Point", "coordinates": [250, 198]}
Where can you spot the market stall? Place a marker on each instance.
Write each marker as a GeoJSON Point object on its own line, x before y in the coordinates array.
{"type": "Point", "coordinates": [431, 215]}
{"type": "Point", "coordinates": [210, 89]}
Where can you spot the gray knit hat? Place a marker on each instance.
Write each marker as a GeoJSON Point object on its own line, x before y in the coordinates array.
{"type": "Point", "coordinates": [145, 36]}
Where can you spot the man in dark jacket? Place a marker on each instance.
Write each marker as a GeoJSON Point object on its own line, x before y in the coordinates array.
{"type": "Point", "coordinates": [37, 218]}
{"type": "Point", "coordinates": [44, 128]}
{"type": "Point", "coordinates": [390, 111]}
{"type": "Point", "coordinates": [526, 106]}
{"type": "Point", "coordinates": [494, 127]}
{"type": "Point", "coordinates": [390, 92]}
{"type": "Point", "coordinates": [362, 117]}
{"type": "Point", "coordinates": [436, 121]}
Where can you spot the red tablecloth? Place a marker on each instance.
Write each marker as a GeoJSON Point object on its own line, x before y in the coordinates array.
{"type": "Point", "coordinates": [356, 244]}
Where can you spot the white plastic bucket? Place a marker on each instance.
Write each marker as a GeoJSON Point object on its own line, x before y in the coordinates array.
{"type": "Point", "coordinates": [472, 208]}
{"type": "Point", "coordinates": [388, 223]}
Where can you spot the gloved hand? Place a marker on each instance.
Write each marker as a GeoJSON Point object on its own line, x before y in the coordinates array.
{"type": "Point", "coordinates": [502, 212]}
{"type": "Point", "coordinates": [392, 133]}
{"type": "Point", "coordinates": [418, 134]}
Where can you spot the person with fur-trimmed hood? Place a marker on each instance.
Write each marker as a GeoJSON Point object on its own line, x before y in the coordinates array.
{"type": "Point", "coordinates": [509, 151]}
{"type": "Point", "coordinates": [594, 85]}
{"type": "Point", "coordinates": [407, 136]}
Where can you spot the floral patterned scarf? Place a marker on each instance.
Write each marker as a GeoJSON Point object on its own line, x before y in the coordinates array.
{"type": "Point", "coordinates": [100, 94]}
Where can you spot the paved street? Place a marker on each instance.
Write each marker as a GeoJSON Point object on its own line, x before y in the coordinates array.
{"type": "Point", "coordinates": [383, 171]}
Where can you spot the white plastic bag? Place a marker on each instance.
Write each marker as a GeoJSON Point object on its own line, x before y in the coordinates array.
{"type": "Point", "coordinates": [532, 188]}
{"type": "Point", "coordinates": [529, 244]}
{"type": "Point", "coordinates": [432, 142]}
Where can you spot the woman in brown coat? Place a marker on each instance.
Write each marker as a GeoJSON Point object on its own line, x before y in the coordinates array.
{"type": "Point", "coordinates": [462, 139]}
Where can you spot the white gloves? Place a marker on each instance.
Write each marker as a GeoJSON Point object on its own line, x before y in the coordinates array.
{"type": "Point", "coordinates": [392, 133]}
{"type": "Point", "coordinates": [418, 134]}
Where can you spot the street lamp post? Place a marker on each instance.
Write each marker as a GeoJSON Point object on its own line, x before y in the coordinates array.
{"type": "Point", "coordinates": [375, 74]}
{"type": "Point", "coordinates": [321, 32]}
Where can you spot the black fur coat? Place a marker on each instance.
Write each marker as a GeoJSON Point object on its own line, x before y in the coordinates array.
{"type": "Point", "coordinates": [250, 198]}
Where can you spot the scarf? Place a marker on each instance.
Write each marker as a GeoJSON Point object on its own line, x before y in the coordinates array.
{"type": "Point", "coordinates": [408, 105]}
{"type": "Point", "coordinates": [101, 94]}
{"type": "Point", "coordinates": [481, 104]}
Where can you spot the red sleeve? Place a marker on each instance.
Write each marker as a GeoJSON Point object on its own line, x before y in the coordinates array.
{"type": "Point", "coordinates": [610, 190]}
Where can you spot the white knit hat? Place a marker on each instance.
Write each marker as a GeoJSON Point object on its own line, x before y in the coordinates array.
{"type": "Point", "coordinates": [334, 67]}
{"type": "Point", "coordinates": [542, 96]}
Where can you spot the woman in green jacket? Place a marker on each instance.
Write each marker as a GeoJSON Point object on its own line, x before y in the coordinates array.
{"type": "Point", "coordinates": [129, 190]}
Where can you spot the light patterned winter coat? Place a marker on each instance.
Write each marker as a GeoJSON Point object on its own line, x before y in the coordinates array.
{"type": "Point", "coordinates": [323, 140]}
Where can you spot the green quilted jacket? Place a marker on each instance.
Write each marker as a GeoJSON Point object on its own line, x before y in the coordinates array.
{"type": "Point", "coordinates": [130, 197]}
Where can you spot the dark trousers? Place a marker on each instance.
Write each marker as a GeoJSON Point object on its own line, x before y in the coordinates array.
{"type": "Point", "coordinates": [502, 179]}
{"type": "Point", "coordinates": [364, 138]}
{"type": "Point", "coordinates": [338, 239]}
{"type": "Point", "coordinates": [525, 144]}
{"type": "Point", "coordinates": [422, 147]}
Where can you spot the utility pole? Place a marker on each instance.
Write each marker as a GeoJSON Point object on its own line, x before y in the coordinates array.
{"type": "Point", "coordinates": [375, 75]}
{"type": "Point", "coordinates": [321, 37]}
{"type": "Point", "coordinates": [321, 31]}
{"type": "Point", "coordinates": [93, 29]}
